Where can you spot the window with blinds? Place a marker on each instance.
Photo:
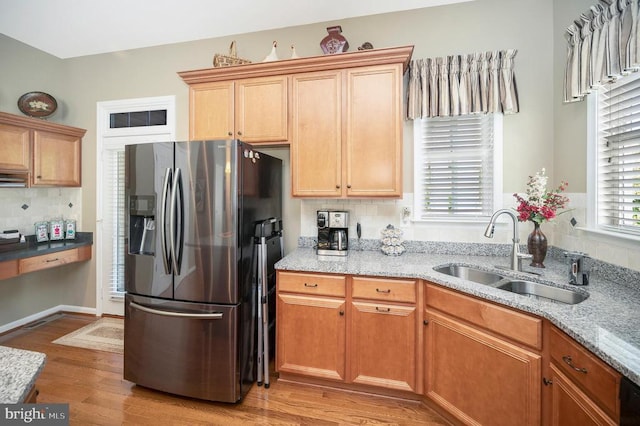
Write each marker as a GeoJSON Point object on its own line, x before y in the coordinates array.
{"type": "Point", "coordinates": [457, 167]}
{"type": "Point", "coordinates": [618, 156]}
{"type": "Point", "coordinates": [114, 223]}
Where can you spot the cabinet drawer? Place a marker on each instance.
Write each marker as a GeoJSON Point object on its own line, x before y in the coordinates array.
{"type": "Point", "coordinates": [325, 285]}
{"type": "Point", "coordinates": [51, 260]}
{"type": "Point", "coordinates": [597, 379]}
{"type": "Point", "coordinates": [384, 289]}
{"type": "Point", "coordinates": [517, 326]}
{"type": "Point", "coordinates": [8, 269]}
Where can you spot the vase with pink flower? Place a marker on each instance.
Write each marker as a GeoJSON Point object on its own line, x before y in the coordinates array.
{"type": "Point", "coordinates": [539, 205]}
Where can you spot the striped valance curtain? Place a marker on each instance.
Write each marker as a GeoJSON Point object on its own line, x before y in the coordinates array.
{"type": "Point", "coordinates": [462, 84]}
{"type": "Point", "coordinates": [603, 45]}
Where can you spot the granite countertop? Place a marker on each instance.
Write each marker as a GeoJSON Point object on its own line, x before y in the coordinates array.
{"type": "Point", "coordinates": [19, 370]}
{"type": "Point", "coordinates": [607, 322]}
{"type": "Point", "coordinates": [33, 248]}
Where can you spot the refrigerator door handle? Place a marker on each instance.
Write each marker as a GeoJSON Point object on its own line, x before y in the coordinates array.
{"type": "Point", "coordinates": [177, 216]}
{"type": "Point", "coordinates": [166, 254]}
{"type": "Point", "coordinates": [213, 315]}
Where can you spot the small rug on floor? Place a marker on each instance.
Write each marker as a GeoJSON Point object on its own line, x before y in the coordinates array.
{"type": "Point", "coordinates": [106, 334]}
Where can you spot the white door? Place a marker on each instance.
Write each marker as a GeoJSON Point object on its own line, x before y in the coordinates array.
{"type": "Point", "coordinates": [121, 123]}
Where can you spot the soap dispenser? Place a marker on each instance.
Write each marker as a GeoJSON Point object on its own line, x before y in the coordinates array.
{"type": "Point", "coordinates": [578, 271]}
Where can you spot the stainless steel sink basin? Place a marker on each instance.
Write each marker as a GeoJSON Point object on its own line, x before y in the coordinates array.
{"type": "Point", "coordinates": [538, 290]}
{"type": "Point", "coordinates": [469, 273]}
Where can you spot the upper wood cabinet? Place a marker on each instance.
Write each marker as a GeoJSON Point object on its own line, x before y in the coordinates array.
{"type": "Point", "coordinates": [56, 159]}
{"type": "Point", "coordinates": [341, 114]}
{"type": "Point", "coordinates": [15, 148]}
{"type": "Point", "coordinates": [253, 110]}
{"type": "Point", "coordinates": [347, 133]}
{"type": "Point", "coordinates": [316, 132]}
{"type": "Point", "coordinates": [47, 154]}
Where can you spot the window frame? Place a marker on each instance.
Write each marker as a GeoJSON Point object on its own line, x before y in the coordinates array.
{"type": "Point", "coordinates": [497, 196]}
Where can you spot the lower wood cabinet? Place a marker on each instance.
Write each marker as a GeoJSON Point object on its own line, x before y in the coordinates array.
{"type": "Point", "coordinates": [479, 378]}
{"type": "Point", "coordinates": [13, 268]}
{"type": "Point", "coordinates": [367, 338]}
{"type": "Point", "coordinates": [570, 406]}
{"type": "Point", "coordinates": [311, 336]}
{"type": "Point", "coordinates": [311, 325]}
{"type": "Point", "coordinates": [51, 260]}
{"type": "Point", "coordinates": [382, 346]}
{"type": "Point", "coordinates": [9, 269]}
{"type": "Point", "coordinates": [480, 362]}
{"type": "Point", "coordinates": [584, 390]}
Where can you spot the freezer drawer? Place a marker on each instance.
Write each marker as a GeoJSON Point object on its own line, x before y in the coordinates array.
{"type": "Point", "coordinates": [187, 349]}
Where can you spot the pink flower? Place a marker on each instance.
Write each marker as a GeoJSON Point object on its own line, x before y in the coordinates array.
{"type": "Point", "coordinates": [540, 205]}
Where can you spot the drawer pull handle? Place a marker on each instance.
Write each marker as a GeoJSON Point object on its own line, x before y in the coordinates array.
{"type": "Point", "coordinates": [310, 285]}
{"type": "Point", "coordinates": [383, 291]}
{"type": "Point", "coordinates": [383, 309]}
{"type": "Point", "coordinates": [52, 260]}
{"type": "Point", "coordinates": [567, 359]}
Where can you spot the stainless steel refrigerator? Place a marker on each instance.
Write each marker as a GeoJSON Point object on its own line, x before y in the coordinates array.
{"type": "Point", "coordinates": [191, 293]}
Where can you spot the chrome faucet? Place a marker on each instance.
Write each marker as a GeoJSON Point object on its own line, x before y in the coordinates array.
{"type": "Point", "coordinates": [516, 256]}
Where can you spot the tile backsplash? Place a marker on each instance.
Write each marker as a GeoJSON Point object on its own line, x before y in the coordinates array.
{"type": "Point", "coordinates": [375, 215]}
{"type": "Point", "coordinates": [22, 207]}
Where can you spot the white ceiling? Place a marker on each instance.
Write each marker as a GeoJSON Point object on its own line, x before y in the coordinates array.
{"type": "Point", "coordinates": [71, 28]}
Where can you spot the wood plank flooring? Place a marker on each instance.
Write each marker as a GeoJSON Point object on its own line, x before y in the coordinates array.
{"type": "Point", "coordinates": [91, 382]}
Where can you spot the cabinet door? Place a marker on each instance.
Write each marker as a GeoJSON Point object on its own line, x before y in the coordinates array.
{"type": "Point", "coordinates": [374, 131]}
{"type": "Point", "coordinates": [14, 148]}
{"type": "Point", "coordinates": [56, 159]}
{"type": "Point", "coordinates": [261, 109]}
{"type": "Point", "coordinates": [570, 406]}
{"type": "Point", "coordinates": [316, 138]}
{"type": "Point", "coordinates": [383, 345]}
{"type": "Point", "coordinates": [479, 378]}
{"type": "Point", "coordinates": [311, 336]}
{"type": "Point", "coordinates": [211, 107]}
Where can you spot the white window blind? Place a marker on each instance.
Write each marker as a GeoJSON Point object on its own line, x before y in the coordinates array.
{"type": "Point", "coordinates": [455, 167]}
{"type": "Point", "coordinates": [618, 156]}
{"type": "Point", "coordinates": [114, 223]}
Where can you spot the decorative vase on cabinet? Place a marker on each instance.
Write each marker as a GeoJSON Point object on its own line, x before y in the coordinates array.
{"type": "Point", "coordinates": [334, 42]}
{"type": "Point", "coordinates": [537, 246]}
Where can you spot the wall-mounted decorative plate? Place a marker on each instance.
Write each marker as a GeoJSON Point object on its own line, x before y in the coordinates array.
{"type": "Point", "coordinates": [37, 104]}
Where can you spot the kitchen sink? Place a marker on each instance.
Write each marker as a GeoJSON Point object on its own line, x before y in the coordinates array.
{"type": "Point", "coordinates": [470, 273]}
{"type": "Point", "coordinates": [543, 291]}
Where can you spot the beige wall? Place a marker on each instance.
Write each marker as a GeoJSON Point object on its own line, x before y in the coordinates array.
{"type": "Point", "coordinates": [544, 134]}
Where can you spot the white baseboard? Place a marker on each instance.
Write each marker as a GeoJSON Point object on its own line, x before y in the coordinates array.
{"type": "Point", "coordinates": [42, 314]}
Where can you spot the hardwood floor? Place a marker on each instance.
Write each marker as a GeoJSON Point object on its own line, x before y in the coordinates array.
{"type": "Point", "coordinates": [91, 382]}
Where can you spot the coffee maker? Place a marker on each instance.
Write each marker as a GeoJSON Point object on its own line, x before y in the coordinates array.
{"type": "Point", "coordinates": [333, 232]}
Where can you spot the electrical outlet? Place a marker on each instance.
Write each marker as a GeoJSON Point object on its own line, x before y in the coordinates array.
{"type": "Point", "coordinates": [405, 217]}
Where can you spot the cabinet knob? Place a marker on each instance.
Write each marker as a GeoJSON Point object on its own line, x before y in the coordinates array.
{"type": "Point", "coordinates": [425, 322]}
{"type": "Point", "coordinates": [239, 133]}
{"type": "Point", "coordinates": [546, 381]}
{"type": "Point", "coordinates": [230, 133]}
{"type": "Point", "coordinates": [341, 313]}
{"type": "Point", "coordinates": [348, 186]}
{"type": "Point", "coordinates": [337, 186]}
